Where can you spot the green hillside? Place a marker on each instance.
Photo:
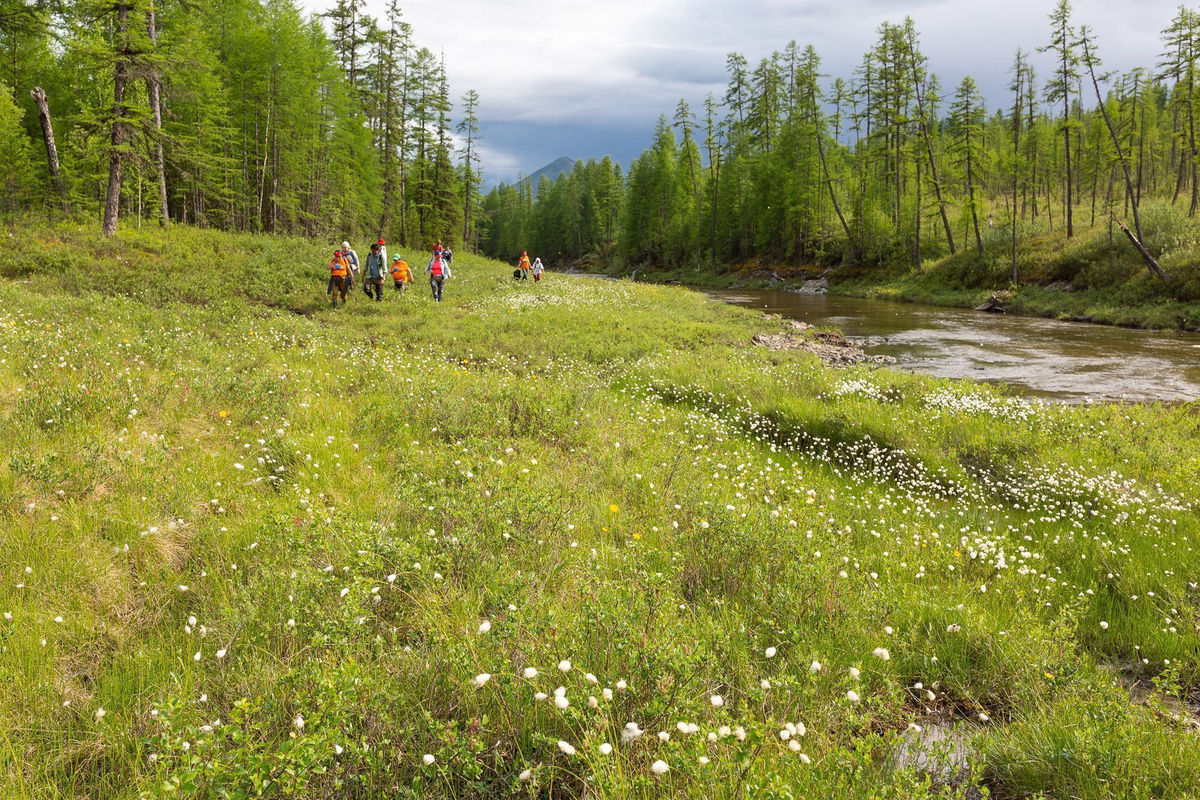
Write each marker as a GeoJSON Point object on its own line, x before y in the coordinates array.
{"type": "Point", "coordinates": [570, 539]}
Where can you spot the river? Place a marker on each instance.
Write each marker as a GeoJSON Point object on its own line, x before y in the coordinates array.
{"type": "Point", "coordinates": [1063, 361]}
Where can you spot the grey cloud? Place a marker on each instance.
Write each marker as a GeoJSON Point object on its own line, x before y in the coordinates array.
{"type": "Point", "coordinates": [605, 69]}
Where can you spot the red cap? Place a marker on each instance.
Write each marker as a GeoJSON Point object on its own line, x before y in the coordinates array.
{"type": "Point", "coordinates": [381, 241]}
{"type": "Point", "coordinates": [337, 252]}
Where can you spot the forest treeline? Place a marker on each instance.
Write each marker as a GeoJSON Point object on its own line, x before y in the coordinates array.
{"type": "Point", "coordinates": [887, 167]}
{"type": "Point", "coordinates": [243, 115]}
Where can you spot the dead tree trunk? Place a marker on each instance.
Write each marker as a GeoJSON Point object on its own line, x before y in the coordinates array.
{"type": "Point", "coordinates": [1129, 191]}
{"type": "Point", "coordinates": [1141, 248]}
{"type": "Point", "coordinates": [112, 203]}
{"type": "Point", "coordinates": [154, 89]}
{"type": "Point", "coordinates": [39, 97]}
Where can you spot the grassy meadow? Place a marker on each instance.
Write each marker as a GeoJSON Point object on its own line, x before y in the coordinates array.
{"type": "Point", "coordinates": [568, 539]}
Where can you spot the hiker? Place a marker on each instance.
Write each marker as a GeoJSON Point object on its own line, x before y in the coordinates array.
{"type": "Point", "coordinates": [438, 270]}
{"type": "Point", "coordinates": [524, 266]}
{"type": "Point", "coordinates": [538, 269]}
{"type": "Point", "coordinates": [373, 280]}
{"type": "Point", "coordinates": [448, 254]}
{"type": "Point", "coordinates": [401, 274]}
{"type": "Point", "coordinates": [352, 261]}
{"type": "Point", "coordinates": [382, 249]}
{"type": "Point", "coordinates": [339, 271]}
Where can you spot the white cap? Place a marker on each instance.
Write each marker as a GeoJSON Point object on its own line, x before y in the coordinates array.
{"type": "Point", "coordinates": [345, 245]}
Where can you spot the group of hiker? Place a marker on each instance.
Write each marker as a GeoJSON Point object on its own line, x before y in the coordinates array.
{"type": "Point", "coordinates": [345, 269]}
{"type": "Point", "coordinates": [524, 268]}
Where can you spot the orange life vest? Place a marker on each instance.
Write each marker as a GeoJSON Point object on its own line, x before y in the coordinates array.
{"type": "Point", "coordinates": [338, 267]}
{"type": "Point", "coordinates": [400, 272]}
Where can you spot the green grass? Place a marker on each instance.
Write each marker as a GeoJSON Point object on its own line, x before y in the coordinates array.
{"type": "Point", "coordinates": [606, 473]}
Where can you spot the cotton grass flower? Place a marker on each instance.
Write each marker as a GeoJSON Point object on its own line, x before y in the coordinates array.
{"type": "Point", "coordinates": [482, 679]}
{"type": "Point", "coordinates": [881, 653]}
{"type": "Point", "coordinates": [852, 696]}
{"type": "Point", "coordinates": [814, 667]}
{"type": "Point", "coordinates": [530, 673]}
{"type": "Point", "coordinates": [770, 652]}
{"type": "Point", "coordinates": [660, 767]}
{"type": "Point", "coordinates": [525, 775]}
{"type": "Point", "coordinates": [1103, 625]}
{"type": "Point", "coordinates": [716, 701]}
{"type": "Point", "coordinates": [485, 626]}
{"type": "Point", "coordinates": [564, 666]}
{"type": "Point", "coordinates": [428, 759]}
{"type": "Point", "coordinates": [298, 722]}
{"type": "Point", "coordinates": [606, 749]}
{"type": "Point", "coordinates": [566, 748]}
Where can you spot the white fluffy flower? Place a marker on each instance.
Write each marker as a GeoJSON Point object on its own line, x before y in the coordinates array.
{"type": "Point", "coordinates": [566, 748]}
{"type": "Point", "coordinates": [485, 626]}
{"type": "Point", "coordinates": [564, 666]}
{"type": "Point", "coordinates": [428, 759]}
{"type": "Point", "coordinates": [606, 749]}
{"type": "Point", "coordinates": [852, 696]}
{"type": "Point", "coordinates": [814, 667]}
{"type": "Point", "coordinates": [881, 653]}
{"type": "Point", "coordinates": [660, 767]}
{"type": "Point", "coordinates": [481, 679]}
{"type": "Point", "coordinates": [298, 723]}
{"type": "Point", "coordinates": [530, 673]}
{"type": "Point", "coordinates": [770, 652]}
{"type": "Point", "coordinates": [716, 700]}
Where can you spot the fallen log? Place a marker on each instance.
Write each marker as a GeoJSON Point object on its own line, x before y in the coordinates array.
{"type": "Point", "coordinates": [992, 306]}
{"type": "Point", "coordinates": [1151, 262]}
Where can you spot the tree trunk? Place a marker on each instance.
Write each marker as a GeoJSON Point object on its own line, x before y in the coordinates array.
{"type": "Point", "coordinates": [39, 97]}
{"type": "Point", "coordinates": [933, 170]}
{"type": "Point", "coordinates": [154, 90]}
{"type": "Point", "coordinates": [1141, 248]}
{"type": "Point", "coordinates": [112, 203]}
{"type": "Point", "coordinates": [1137, 223]}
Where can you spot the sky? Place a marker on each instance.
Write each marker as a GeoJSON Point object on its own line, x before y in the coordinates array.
{"type": "Point", "coordinates": [589, 79]}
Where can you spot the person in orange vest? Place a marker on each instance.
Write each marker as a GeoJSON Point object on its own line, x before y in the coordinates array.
{"type": "Point", "coordinates": [438, 270]}
{"type": "Point", "coordinates": [401, 274]}
{"type": "Point", "coordinates": [339, 272]}
{"type": "Point", "coordinates": [524, 265]}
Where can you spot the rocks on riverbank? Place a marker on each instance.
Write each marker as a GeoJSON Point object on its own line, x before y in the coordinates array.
{"type": "Point", "coordinates": [831, 347]}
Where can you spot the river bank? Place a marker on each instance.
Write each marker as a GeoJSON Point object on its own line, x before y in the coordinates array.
{"type": "Point", "coordinates": [1056, 300]}
{"type": "Point", "coordinates": [575, 538]}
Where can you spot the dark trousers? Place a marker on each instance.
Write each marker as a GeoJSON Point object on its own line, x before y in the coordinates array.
{"type": "Point", "coordinates": [374, 286]}
{"type": "Point", "coordinates": [337, 286]}
{"type": "Point", "coordinates": [436, 285]}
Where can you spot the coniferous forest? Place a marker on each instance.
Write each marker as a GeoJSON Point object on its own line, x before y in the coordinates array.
{"type": "Point", "coordinates": [888, 167]}
{"type": "Point", "coordinates": [243, 115]}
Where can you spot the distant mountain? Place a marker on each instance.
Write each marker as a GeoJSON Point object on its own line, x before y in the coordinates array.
{"type": "Point", "coordinates": [552, 171]}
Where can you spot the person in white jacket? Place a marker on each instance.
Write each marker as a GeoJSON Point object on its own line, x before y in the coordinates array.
{"type": "Point", "coordinates": [538, 269]}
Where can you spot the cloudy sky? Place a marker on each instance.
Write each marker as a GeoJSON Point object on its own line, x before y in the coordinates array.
{"type": "Point", "coordinates": [581, 79]}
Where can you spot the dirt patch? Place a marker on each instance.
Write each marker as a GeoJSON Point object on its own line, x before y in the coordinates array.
{"type": "Point", "coordinates": [1186, 713]}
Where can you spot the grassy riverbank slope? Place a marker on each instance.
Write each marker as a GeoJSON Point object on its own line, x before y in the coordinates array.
{"type": "Point", "coordinates": [1096, 276]}
{"type": "Point", "coordinates": [253, 546]}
